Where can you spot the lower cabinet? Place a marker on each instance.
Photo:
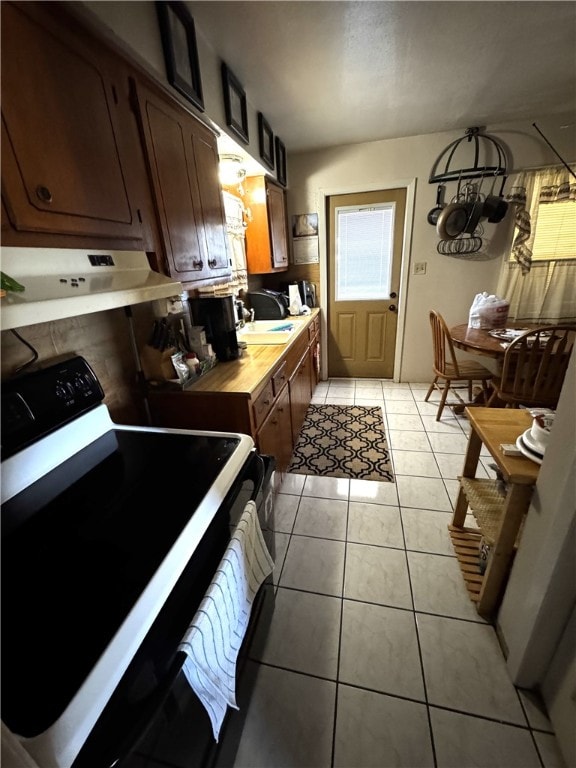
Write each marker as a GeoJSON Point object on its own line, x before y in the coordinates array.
{"type": "Point", "coordinates": [314, 352]}
{"type": "Point", "coordinates": [300, 394]}
{"type": "Point", "coordinates": [270, 410]}
{"type": "Point", "coordinates": [275, 435]}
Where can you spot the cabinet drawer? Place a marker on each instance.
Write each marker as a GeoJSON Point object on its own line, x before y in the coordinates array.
{"type": "Point", "coordinates": [263, 403]}
{"type": "Point", "coordinates": [313, 329]}
{"type": "Point", "coordinates": [279, 379]}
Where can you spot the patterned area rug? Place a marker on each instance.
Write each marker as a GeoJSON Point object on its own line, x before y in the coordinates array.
{"type": "Point", "coordinates": [343, 441]}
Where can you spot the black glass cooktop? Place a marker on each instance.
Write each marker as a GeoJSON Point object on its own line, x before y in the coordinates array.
{"type": "Point", "coordinates": [79, 547]}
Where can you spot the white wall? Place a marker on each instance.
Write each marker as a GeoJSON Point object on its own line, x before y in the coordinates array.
{"type": "Point", "coordinates": [534, 619]}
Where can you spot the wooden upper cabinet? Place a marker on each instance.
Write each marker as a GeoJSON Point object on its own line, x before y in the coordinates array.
{"type": "Point", "coordinates": [211, 201]}
{"type": "Point", "coordinates": [267, 232]}
{"type": "Point", "coordinates": [65, 161]}
{"type": "Point", "coordinates": [182, 162]}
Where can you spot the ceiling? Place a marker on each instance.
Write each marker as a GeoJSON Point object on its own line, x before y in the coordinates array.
{"type": "Point", "coordinates": [331, 73]}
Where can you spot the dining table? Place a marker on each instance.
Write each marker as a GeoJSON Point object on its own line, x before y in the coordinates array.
{"type": "Point", "coordinates": [486, 342]}
{"type": "Point", "coordinates": [483, 342]}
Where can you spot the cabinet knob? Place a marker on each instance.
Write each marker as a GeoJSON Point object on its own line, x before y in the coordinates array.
{"type": "Point", "coordinates": [212, 263]}
{"type": "Point", "coordinates": [44, 194]}
{"type": "Point", "coordinates": [198, 264]}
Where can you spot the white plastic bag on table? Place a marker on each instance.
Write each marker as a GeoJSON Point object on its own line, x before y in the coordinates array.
{"type": "Point", "coordinates": [488, 311]}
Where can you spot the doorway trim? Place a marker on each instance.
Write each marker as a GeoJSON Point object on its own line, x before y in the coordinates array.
{"type": "Point", "coordinates": [323, 194]}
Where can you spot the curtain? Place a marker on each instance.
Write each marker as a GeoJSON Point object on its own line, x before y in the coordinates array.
{"type": "Point", "coordinates": [547, 294]}
{"type": "Point", "coordinates": [528, 190]}
{"type": "Point", "coordinates": [538, 290]}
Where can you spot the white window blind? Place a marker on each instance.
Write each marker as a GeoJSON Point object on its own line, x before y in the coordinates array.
{"type": "Point", "coordinates": [555, 236]}
{"type": "Point", "coordinates": [364, 252]}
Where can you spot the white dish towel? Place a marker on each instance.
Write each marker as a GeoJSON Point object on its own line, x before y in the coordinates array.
{"type": "Point", "coordinates": [214, 637]}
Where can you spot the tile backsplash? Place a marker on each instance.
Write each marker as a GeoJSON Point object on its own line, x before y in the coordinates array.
{"type": "Point", "coordinates": [102, 338]}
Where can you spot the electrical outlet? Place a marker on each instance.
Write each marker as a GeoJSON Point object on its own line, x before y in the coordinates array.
{"type": "Point", "coordinates": [419, 268]}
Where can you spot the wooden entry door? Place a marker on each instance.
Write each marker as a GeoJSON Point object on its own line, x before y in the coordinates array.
{"type": "Point", "coordinates": [365, 255]}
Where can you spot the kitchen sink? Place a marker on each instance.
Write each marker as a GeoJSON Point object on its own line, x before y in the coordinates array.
{"type": "Point", "coordinates": [268, 331]}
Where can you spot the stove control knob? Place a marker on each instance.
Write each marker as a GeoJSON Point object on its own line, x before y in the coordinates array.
{"type": "Point", "coordinates": [83, 384]}
{"type": "Point", "coordinates": [60, 391]}
{"type": "Point", "coordinates": [64, 391]}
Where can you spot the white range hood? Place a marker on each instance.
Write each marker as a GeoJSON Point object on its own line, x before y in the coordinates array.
{"type": "Point", "coordinates": [62, 282]}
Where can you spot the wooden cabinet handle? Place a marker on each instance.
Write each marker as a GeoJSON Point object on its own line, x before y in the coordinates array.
{"type": "Point", "coordinates": [43, 193]}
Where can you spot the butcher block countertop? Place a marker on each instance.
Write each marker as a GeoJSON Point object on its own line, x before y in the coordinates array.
{"type": "Point", "coordinates": [247, 374]}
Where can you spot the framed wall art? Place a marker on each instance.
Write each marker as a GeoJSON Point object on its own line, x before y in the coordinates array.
{"type": "Point", "coordinates": [180, 52]}
{"type": "Point", "coordinates": [266, 141]}
{"type": "Point", "coordinates": [235, 104]}
{"type": "Point", "coordinates": [280, 162]}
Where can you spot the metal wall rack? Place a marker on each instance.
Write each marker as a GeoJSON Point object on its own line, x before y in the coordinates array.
{"type": "Point", "coordinates": [442, 170]}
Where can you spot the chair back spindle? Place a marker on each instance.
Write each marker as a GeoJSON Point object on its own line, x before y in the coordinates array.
{"type": "Point", "coordinates": [535, 365]}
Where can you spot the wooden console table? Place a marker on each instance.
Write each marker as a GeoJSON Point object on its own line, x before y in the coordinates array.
{"type": "Point", "coordinates": [499, 515]}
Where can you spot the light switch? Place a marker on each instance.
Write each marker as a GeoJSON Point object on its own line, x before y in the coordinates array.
{"type": "Point", "coordinates": [419, 268]}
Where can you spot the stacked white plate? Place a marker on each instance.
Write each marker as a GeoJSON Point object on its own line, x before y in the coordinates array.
{"type": "Point", "coordinates": [532, 443]}
{"type": "Point", "coordinates": [529, 447]}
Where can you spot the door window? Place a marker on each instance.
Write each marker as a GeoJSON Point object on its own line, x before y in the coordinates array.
{"type": "Point", "coordinates": [364, 249]}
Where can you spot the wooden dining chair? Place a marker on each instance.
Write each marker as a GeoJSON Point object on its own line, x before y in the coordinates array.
{"type": "Point", "coordinates": [449, 369]}
{"type": "Point", "coordinates": [534, 367]}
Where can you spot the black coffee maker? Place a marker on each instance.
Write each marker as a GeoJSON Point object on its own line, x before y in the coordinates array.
{"type": "Point", "coordinates": [218, 316]}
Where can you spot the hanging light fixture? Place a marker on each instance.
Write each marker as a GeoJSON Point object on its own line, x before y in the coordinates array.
{"type": "Point", "coordinates": [232, 170]}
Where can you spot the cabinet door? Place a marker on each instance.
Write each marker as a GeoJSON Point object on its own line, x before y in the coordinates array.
{"type": "Point", "coordinates": [63, 167]}
{"type": "Point", "coordinates": [277, 224]}
{"type": "Point", "coordinates": [266, 233]}
{"type": "Point", "coordinates": [206, 155]}
{"type": "Point", "coordinates": [275, 435]}
{"type": "Point", "coordinates": [183, 169]}
{"type": "Point", "coordinates": [300, 394]}
{"type": "Point", "coordinates": [315, 362]}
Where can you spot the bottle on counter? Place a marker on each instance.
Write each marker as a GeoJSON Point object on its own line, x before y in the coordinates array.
{"type": "Point", "coordinates": [192, 362]}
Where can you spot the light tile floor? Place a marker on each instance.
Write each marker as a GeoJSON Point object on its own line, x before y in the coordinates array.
{"type": "Point", "coordinates": [376, 656]}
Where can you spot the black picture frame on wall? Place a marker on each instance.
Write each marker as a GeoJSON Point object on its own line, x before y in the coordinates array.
{"type": "Point", "coordinates": [266, 141]}
{"type": "Point", "coordinates": [280, 161]}
{"type": "Point", "coordinates": [235, 104]}
{"type": "Point", "coordinates": [180, 50]}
